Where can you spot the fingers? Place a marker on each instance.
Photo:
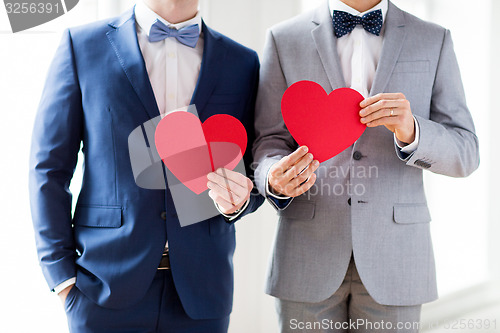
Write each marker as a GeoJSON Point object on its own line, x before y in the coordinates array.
{"type": "Point", "coordinates": [286, 162]}
{"type": "Point", "coordinates": [229, 189]}
{"type": "Point", "coordinates": [386, 121]}
{"type": "Point", "coordinates": [297, 168]}
{"type": "Point", "coordinates": [225, 206]}
{"type": "Point", "coordinates": [304, 176]}
{"type": "Point", "coordinates": [393, 112]}
{"type": "Point", "coordinates": [297, 180]}
{"type": "Point", "coordinates": [386, 104]}
{"type": "Point", "coordinates": [224, 192]}
{"type": "Point", "coordinates": [236, 177]}
{"type": "Point", "coordinates": [304, 187]}
{"type": "Point", "coordinates": [379, 97]}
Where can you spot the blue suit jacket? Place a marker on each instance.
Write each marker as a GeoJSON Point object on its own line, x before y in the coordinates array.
{"type": "Point", "coordinates": [97, 92]}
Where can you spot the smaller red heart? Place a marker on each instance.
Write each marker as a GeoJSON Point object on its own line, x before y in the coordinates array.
{"type": "Point", "coordinates": [190, 149]}
{"type": "Point", "coordinates": [326, 123]}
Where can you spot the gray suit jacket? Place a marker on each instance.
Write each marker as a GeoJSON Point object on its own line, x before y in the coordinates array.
{"type": "Point", "coordinates": [368, 200]}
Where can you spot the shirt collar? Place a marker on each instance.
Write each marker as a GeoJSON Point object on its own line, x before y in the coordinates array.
{"type": "Point", "coordinates": [339, 5]}
{"type": "Point", "coordinates": [145, 18]}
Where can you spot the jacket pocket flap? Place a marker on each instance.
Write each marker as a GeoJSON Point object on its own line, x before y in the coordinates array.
{"type": "Point", "coordinates": [411, 213]}
{"type": "Point", "coordinates": [299, 210]}
{"type": "Point", "coordinates": [98, 216]}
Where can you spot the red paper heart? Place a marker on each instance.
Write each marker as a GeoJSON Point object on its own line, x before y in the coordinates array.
{"type": "Point", "coordinates": [326, 124]}
{"type": "Point", "coordinates": [190, 149]}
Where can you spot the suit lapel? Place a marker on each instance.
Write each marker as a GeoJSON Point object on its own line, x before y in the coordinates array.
{"type": "Point", "coordinates": [214, 53]}
{"type": "Point", "coordinates": [123, 39]}
{"type": "Point", "coordinates": [326, 44]}
{"type": "Point", "coordinates": [394, 36]}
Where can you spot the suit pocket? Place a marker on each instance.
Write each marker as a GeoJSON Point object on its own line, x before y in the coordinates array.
{"type": "Point", "coordinates": [411, 213]}
{"type": "Point", "coordinates": [299, 210]}
{"type": "Point", "coordinates": [70, 299]}
{"type": "Point", "coordinates": [98, 216]}
{"type": "Point", "coordinates": [420, 66]}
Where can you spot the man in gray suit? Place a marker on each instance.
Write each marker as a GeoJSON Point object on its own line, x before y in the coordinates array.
{"type": "Point", "coordinates": [353, 249]}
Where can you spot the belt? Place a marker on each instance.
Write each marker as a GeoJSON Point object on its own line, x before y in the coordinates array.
{"type": "Point", "coordinates": [165, 261]}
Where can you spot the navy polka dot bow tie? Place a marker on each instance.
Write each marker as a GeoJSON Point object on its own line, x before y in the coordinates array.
{"type": "Point", "coordinates": [344, 23]}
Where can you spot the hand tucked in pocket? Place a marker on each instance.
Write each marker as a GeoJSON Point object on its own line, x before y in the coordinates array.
{"type": "Point", "coordinates": [64, 293]}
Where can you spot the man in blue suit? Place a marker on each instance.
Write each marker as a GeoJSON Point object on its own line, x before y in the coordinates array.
{"type": "Point", "coordinates": [109, 261]}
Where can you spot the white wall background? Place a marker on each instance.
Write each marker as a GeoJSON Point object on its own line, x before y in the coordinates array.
{"type": "Point", "coordinates": [465, 211]}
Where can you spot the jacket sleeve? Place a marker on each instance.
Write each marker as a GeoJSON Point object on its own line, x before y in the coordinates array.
{"type": "Point", "coordinates": [273, 140]}
{"type": "Point", "coordinates": [447, 144]}
{"type": "Point", "coordinates": [55, 144]}
{"type": "Point", "coordinates": [256, 199]}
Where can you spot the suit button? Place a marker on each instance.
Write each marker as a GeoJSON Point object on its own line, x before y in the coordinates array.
{"type": "Point", "coordinates": [357, 155]}
{"type": "Point", "coordinates": [349, 201]}
{"type": "Point", "coordinates": [163, 216]}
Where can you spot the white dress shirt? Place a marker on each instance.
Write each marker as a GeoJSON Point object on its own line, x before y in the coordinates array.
{"type": "Point", "coordinates": [359, 53]}
{"type": "Point", "coordinates": [173, 69]}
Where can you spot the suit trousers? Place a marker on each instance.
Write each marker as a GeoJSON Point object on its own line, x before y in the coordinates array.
{"type": "Point", "coordinates": [160, 311]}
{"type": "Point", "coordinates": [349, 309]}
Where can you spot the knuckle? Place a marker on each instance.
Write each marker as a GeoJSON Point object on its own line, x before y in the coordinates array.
{"type": "Point", "coordinates": [285, 192]}
{"type": "Point", "coordinates": [275, 171]}
{"type": "Point", "coordinates": [294, 183]}
{"type": "Point", "coordinates": [302, 178]}
{"type": "Point", "coordinates": [311, 180]}
{"type": "Point", "coordinates": [279, 170]}
{"type": "Point", "coordinates": [241, 178]}
{"type": "Point", "coordinates": [278, 187]}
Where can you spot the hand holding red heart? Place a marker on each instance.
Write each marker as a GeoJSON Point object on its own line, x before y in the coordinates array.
{"type": "Point", "coordinates": [326, 123]}
{"type": "Point", "coordinates": [230, 190]}
{"type": "Point", "coordinates": [294, 174]}
{"type": "Point", "coordinates": [391, 110]}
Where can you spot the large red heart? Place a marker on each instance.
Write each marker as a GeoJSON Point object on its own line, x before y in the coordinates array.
{"type": "Point", "coordinates": [190, 149]}
{"type": "Point", "coordinates": [326, 124]}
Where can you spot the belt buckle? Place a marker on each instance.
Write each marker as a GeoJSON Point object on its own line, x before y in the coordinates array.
{"type": "Point", "coordinates": [165, 261]}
